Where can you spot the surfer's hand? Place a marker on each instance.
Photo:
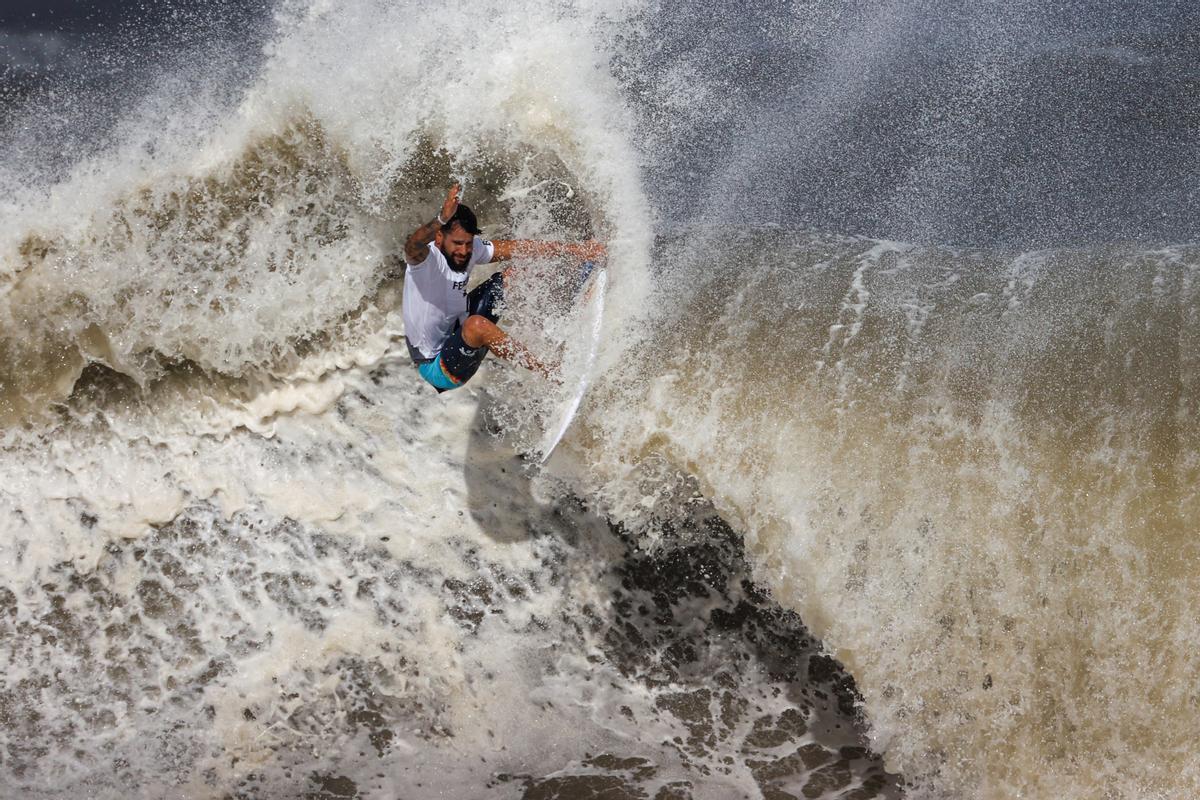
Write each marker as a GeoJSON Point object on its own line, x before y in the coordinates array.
{"type": "Point", "coordinates": [451, 204]}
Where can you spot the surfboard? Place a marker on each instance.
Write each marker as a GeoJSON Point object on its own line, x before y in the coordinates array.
{"type": "Point", "coordinates": [591, 314]}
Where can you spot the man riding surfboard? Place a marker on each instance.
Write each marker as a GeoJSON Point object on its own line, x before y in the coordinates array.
{"type": "Point", "coordinates": [449, 330]}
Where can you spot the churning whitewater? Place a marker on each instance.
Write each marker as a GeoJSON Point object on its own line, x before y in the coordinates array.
{"type": "Point", "coordinates": [885, 483]}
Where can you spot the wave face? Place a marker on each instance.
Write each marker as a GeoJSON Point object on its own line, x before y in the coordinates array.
{"type": "Point", "coordinates": [975, 475]}
{"type": "Point", "coordinates": [907, 309]}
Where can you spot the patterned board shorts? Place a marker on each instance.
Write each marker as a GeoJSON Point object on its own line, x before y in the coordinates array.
{"type": "Point", "coordinates": [457, 363]}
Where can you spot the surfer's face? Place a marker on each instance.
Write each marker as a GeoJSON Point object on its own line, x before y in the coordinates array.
{"type": "Point", "coordinates": [455, 246]}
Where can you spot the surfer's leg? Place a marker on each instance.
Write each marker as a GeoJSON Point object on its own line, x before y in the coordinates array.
{"type": "Point", "coordinates": [458, 361]}
{"type": "Point", "coordinates": [481, 333]}
{"type": "Point", "coordinates": [465, 350]}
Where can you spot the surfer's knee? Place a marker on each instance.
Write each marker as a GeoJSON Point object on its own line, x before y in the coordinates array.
{"type": "Point", "coordinates": [479, 331]}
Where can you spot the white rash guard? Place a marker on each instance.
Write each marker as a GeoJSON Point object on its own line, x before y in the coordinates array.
{"type": "Point", "coordinates": [435, 297]}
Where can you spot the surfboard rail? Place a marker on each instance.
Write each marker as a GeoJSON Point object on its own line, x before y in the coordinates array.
{"type": "Point", "coordinates": [561, 421]}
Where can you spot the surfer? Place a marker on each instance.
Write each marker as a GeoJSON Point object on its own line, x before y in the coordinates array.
{"type": "Point", "coordinates": [448, 329]}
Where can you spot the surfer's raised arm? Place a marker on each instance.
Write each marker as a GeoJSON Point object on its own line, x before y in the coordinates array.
{"type": "Point", "coordinates": [505, 249]}
{"type": "Point", "coordinates": [416, 248]}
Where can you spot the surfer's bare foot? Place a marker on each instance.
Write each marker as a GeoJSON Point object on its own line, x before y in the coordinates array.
{"type": "Point", "coordinates": [551, 370]}
{"type": "Point", "coordinates": [553, 367]}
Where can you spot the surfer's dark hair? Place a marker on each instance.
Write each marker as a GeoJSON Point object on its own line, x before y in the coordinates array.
{"type": "Point", "coordinates": [463, 216]}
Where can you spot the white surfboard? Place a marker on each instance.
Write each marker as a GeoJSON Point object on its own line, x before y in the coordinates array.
{"type": "Point", "coordinates": [592, 312]}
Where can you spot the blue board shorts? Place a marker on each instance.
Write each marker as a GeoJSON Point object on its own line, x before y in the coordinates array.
{"type": "Point", "coordinates": [457, 363]}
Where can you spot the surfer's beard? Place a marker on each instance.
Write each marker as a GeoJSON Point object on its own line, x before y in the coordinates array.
{"type": "Point", "coordinates": [455, 266]}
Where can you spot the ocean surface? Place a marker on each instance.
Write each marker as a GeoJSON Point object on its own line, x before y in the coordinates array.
{"type": "Point", "coordinates": [887, 483]}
